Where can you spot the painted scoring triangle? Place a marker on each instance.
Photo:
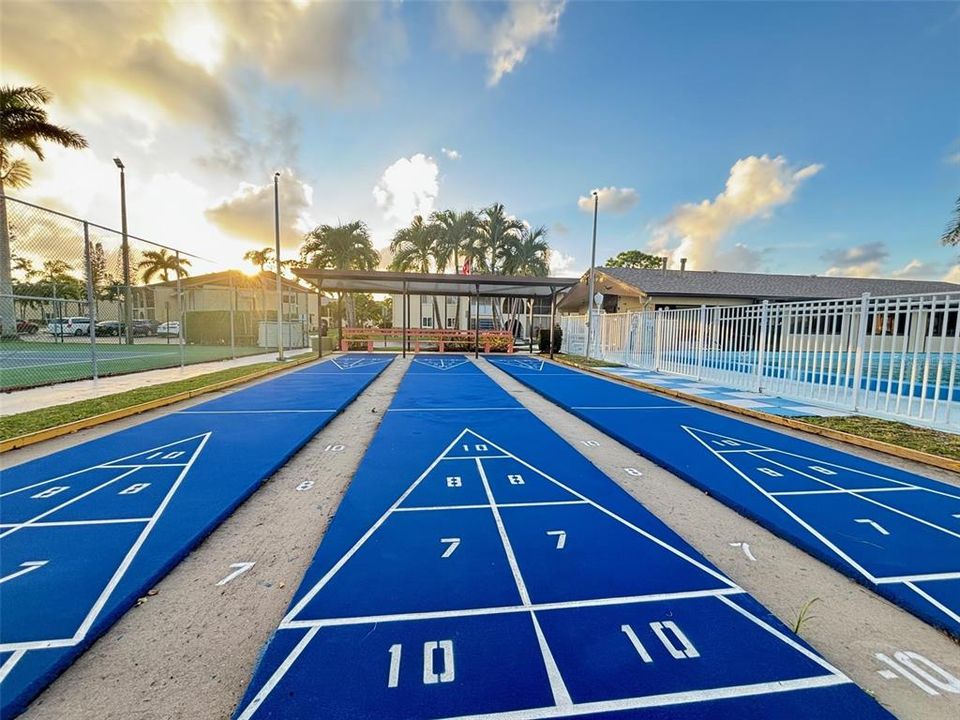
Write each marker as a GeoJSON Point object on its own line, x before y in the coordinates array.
{"type": "Point", "coordinates": [722, 443]}
{"type": "Point", "coordinates": [173, 454]}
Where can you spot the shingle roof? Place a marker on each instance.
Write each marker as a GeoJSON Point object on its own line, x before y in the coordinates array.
{"type": "Point", "coordinates": [772, 287]}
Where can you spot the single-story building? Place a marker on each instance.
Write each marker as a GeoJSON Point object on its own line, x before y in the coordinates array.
{"type": "Point", "coordinates": [626, 289]}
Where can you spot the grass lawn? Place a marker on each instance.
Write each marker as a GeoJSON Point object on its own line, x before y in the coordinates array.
{"type": "Point", "coordinates": [29, 364]}
{"type": "Point", "coordinates": [586, 362]}
{"type": "Point", "coordinates": [43, 418]}
{"type": "Point", "coordinates": [934, 442]}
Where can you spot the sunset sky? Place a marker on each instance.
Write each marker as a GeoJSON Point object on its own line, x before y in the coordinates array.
{"type": "Point", "coordinates": [789, 137]}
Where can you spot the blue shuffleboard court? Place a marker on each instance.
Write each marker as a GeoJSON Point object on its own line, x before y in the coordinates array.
{"type": "Point", "coordinates": [86, 531]}
{"type": "Point", "coordinates": [893, 531]}
{"type": "Point", "coordinates": [478, 566]}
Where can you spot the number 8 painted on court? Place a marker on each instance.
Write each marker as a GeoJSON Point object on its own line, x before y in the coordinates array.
{"type": "Point", "coordinates": [454, 481]}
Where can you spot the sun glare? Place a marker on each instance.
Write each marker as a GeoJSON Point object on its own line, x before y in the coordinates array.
{"type": "Point", "coordinates": [196, 35]}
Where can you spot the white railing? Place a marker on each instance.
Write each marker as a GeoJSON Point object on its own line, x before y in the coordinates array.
{"type": "Point", "coordinates": [893, 357]}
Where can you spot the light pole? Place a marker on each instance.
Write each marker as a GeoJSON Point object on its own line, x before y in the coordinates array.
{"type": "Point", "coordinates": [276, 235]}
{"type": "Point", "coordinates": [125, 253]}
{"type": "Point", "coordinates": [593, 261]}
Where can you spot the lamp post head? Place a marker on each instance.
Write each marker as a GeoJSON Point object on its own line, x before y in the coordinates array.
{"type": "Point", "coordinates": [118, 162]}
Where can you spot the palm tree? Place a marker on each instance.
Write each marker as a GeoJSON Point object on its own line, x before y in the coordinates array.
{"type": "Point", "coordinates": [260, 258]}
{"type": "Point", "coordinates": [496, 233]}
{"type": "Point", "coordinates": [529, 255]}
{"type": "Point", "coordinates": [458, 233]}
{"type": "Point", "coordinates": [161, 262]}
{"type": "Point", "coordinates": [951, 236]}
{"type": "Point", "coordinates": [416, 248]}
{"type": "Point", "coordinates": [23, 125]}
{"type": "Point", "coordinates": [341, 247]}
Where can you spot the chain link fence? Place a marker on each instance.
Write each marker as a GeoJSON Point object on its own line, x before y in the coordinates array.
{"type": "Point", "coordinates": [78, 302]}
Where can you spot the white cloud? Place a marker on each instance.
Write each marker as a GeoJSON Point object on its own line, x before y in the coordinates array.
{"type": "Point", "coordinates": [755, 186]}
{"type": "Point", "coordinates": [865, 260]}
{"type": "Point", "coordinates": [954, 275]}
{"type": "Point", "coordinates": [917, 270]}
{"type": "Point", "coordinates": [562, 265]}
{"type": "Point", "coordinates": [525, 23]}
{"type": "Point", "coordinates": [408, 187]}
{"type": "Point", "coordinates": [952, 158]}
{"type": "Point", "coordinates": [611, 199]}
{"type": "Point", "coordinates": [450, 153]}
{"type": "Point", "coordinates": [248, 212]}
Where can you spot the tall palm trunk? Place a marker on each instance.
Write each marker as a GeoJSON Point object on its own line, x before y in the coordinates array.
{"type": "Point", "coordinates": [456, 271]}
{"type": "Point", "coordinates": [8, 315]}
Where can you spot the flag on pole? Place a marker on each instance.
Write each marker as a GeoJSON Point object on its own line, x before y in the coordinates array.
{"type": "Point", "coordinates": [466, 267]}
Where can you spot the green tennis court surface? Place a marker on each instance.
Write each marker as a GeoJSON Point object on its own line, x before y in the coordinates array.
{"type": "Point", "coordinates": [29, 364]}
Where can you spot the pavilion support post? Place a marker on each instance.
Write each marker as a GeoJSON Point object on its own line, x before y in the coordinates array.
{"type": "Point", "coordinates": [553, 315]}
{"type": "Point", "coordinates": [476, 325]}
{"type": "Point", "coordinates": [319, 318]}
{"type": "Point", "coordinates": [403, 299]}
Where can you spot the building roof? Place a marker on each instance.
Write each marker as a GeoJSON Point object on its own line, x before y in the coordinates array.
{"type": "Point", "coordinates": [264, 278]}
{"type": "Point", "coordinates": [749, 286]}
{"type": "Point", "coordinates": [395, 283]}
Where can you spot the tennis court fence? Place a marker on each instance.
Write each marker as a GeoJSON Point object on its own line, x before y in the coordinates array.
{"type": "Point", "coordinates": [79, 300]}
{"type": "Point", "coordinates": [893, 357]}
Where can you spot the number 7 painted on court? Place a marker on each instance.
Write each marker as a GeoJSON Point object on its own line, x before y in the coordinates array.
{"type": "Point", "coordinates": [561, 536]}
{"type": "Point", "coordinates": [453, 544]}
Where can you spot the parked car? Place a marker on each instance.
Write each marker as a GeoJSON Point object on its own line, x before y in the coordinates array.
{"type": "Point", "coordinates": [142, 328]}
{"type": "Point", "coordinates": [115, 328]}
{"type": "Point", "coordinates": [169, 329]}
{"type": "Point", "coordinates": [69, 326]}
{"type": "Point", "coordinates": [24, 327]}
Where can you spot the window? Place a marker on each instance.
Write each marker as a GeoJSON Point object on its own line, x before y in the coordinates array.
{"type": "Point", "coordinates": [450, 322]}
{"type": "Point", "coordinates": [426, 322]}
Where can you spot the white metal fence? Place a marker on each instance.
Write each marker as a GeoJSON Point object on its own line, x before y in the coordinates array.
{"type": "Point", "coordinates": [893, 357]}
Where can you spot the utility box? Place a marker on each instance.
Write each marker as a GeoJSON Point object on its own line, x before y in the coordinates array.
{"type": "Point", "coordinates": [293, 335]}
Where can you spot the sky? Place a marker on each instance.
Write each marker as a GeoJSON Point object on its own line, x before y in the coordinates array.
{"type": "Point", "coordinates": [804, 137]}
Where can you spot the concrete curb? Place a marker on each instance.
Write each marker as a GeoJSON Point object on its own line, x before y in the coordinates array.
{"type": "Point", "coordinates": [879, 446]}
{"type": "Point", "coordinates": [85, 423]}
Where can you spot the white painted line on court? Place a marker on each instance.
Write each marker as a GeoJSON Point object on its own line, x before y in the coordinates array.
{"type": "Point", "coordinates": [107, 464]}
{"type": "Point", "coordinates": [870, 500]}
{"type": "Point", "coordinates": [310, 594]}
{"type": "Point", "coordinates": [663, 700]}
{"type": "Point", "coordinates": [842, 491]}
{"type": "Point", "coordinates": [544, 503]}
{"type": "Point", "coordinates": [510, 609]}
{"type": "Point", "coordinates": [25, 567]}
{"type": "Point", "coordinates": [277, 676]}
{"type": "Point", "coordinates": [19, 526]}
{"type": "Point", "coordinates": [933, 601]}
{"type": "Point", "coordinates": [9, 663]}
{"type": "Point", "coordinates": [803, 523]}
{"type": "Point", "coordinates": [919, 578]}
{"type": "Point", "coordinates": [132, 552]}
{"type": "Point", "coordinates": [67, 523]}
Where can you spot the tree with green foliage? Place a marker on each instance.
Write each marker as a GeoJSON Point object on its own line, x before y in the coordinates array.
{"type": "Point", "coordinates": [161, 262]}
{"type": "Point", "coordinates": [951, 236]}
{"type": "Point", "coordinates": [417, 248]}
{"type": "Point", "coordinates": [342, 247]}
{"type": "Point", "coordinates": [635, 259]}
{"type": "Point", "coordinates": [260, 258]}
{"type": "Point", "coordinates": [24, 125]}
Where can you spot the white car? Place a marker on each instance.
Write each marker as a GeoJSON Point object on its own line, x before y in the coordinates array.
{"type": "Point", "coordinates": [169, 329]}
{"type": "Point", "coordinates": [69, 326]}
